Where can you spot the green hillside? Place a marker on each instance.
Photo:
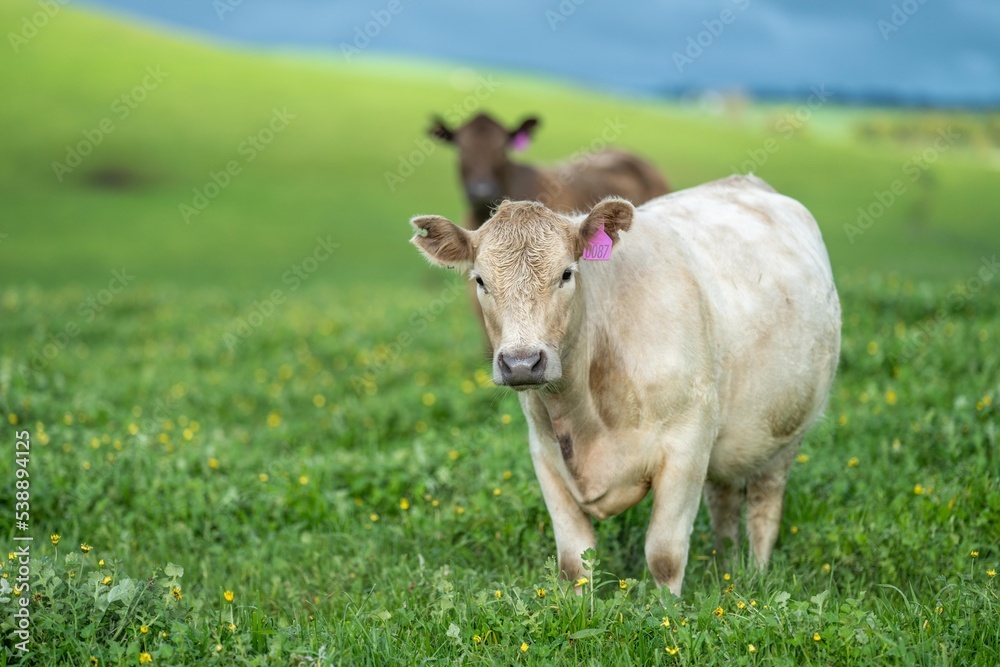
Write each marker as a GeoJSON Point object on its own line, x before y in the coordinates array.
{"type": "Point", "coordinates": [324, 174]}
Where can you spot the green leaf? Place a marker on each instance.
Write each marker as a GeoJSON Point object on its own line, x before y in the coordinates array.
{"type": "Point", "coordinates": [588, 632]}
{"type": "Point", "coordinates": [173, 571]}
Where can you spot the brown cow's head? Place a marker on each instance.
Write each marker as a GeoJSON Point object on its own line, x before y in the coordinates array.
{"type": "Point", "coordinates": [525, 263]}
{"type": "Point", "coordinates": [482, 145]}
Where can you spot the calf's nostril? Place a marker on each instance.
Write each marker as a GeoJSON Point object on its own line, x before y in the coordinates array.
{"type": "Point", "coordinates": [538, 367]}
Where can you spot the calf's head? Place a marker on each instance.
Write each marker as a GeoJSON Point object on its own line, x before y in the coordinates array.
{"type": "Point", "coordinates": [482, 147]}
{"type": "Point", "coordinates": [525, 263]}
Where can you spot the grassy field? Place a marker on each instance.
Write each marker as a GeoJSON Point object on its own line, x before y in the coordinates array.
{"type": "Point", "coordinates": [272, 429]}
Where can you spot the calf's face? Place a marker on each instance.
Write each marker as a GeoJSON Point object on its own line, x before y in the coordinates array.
{"type": "Point", "coordinates": [482, 146]}
{"type": "Point", "coordinates": [525, 263]}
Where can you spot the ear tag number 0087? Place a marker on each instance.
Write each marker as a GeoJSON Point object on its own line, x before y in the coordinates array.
{"type": "Point", "coordinates": [599, 247]}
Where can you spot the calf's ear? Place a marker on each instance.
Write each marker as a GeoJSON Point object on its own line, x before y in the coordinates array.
{"type": "Point", "coordinates": [520, 137]}
{"type": "Point", "coordinates": [442, 242]}
{"type": "Point", "coordinates": [613, 214]}
{"type": "Point", "coordinates": [439, 130]}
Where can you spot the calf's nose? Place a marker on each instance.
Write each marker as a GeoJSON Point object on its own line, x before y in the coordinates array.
{"type": "Point", "coordinates": [482, 190]}
{"type": "Point", "coordinates": [520, 367]}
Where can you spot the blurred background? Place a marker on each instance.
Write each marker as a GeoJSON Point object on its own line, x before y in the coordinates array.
{"type": "Point", "coordinates": [121, 114]}
{"type": "Point", "coordinates": [230, 359]}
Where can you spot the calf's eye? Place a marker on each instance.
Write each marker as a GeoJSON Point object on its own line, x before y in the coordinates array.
{"type": "Point", "coordinates": [567, 274]}
{"type": "Point", "coordinates": [479, 281]}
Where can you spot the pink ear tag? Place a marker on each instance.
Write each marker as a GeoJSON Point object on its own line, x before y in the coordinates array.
{"type": "Point", "coordinates": [599, 247]}
{"type": "Point", "coordinates": [520, 141]}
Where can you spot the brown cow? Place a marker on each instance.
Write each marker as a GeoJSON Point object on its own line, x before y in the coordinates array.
{"type": "Point", "coordinates": [490, 176]}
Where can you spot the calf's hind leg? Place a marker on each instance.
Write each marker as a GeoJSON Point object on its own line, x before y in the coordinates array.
{"type": "Point", "coordinates": [724, 503]}
{"type": "Point", "coordinates": [765, 503]}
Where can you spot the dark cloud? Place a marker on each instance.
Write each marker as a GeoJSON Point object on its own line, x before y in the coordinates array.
{"type": "Point", "coordinates": [922, 50]}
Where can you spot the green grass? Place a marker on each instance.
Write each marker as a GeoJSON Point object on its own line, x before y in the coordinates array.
{"type": "Point", "coordinates": [272, 459]}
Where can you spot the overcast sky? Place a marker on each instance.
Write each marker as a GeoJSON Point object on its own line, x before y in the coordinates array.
{"type": "Point", "coordinates": [942, 51]}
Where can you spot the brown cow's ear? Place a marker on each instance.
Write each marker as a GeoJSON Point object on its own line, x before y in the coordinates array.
{"type": "Point", "coordinates": [525, 129]}
{"type": "Point", "coordinates": [442, 242]}
{"type": "Point", "coordinates": [441, 131]}
{"type": "Point", "coordinates": [613, 213]}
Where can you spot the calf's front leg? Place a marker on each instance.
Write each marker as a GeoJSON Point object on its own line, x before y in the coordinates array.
{"type": "Point", "coordinates": [676, 496]}
{"type": "Point", "coordinates": [572, 527]}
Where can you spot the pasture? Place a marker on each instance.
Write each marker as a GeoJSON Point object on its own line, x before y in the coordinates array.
{"type": "Point", "coordinates": [272, 427]}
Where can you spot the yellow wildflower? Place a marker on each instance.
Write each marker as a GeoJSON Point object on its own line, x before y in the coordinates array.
{"type": "Point", "coordinates": [274, 419]}
{"type": "Point", "coordinates": [143, 629]}
{"type": "Point", "coordinates": [145, 657]}
{"type": "Point", "coordinates": [974, 554]}
{"type": "Point", "coordinates": [303, 479]}
{"type": "Point", "coordinates": [498, 593]}
{"type": "Point", "coordinates": [741, 605]}
{"type": "Point", "coordinates": [404, 504]}
{"type": "Point", "coordinates": [918, 489]}
{"type": "Point", "coordinates": [991, 572]}
{"type": "Point", "coordinates": [213, 463]}
{"type": "Point", "coordinates": [622, 584]}
{"type": "Point", "coordinates": [263, 477]}
{"type": "Point", "coordinates": [581, 581]}
{"type": "Point", "coordinates": [477, 639]}
{"type": "Point", "coordinates": [890, 397]}
{"type": "Point", "coordinates": [853, 462]}
{"type": "Point", "coordinates": [176, 592]}
{"type": "Point", "coordinates": [106, 580]}
{"type": "Point", "coordinates": [232, 627]}
{"type": "Point", "coordinates": [802, 458]}
{"type": "Point", "coordinates": [541, 592]}
{"type": "Point", "coordinates": [672, 651]}
{"type": "Point", "coordinates": [229, 596]}
{"type": "Point", "coordinates": [726, 577]}
{"type": "Point", "coordinates": [816, 637]}
{"type": "Point", "coordinates": [719, 611]}
{"type": "Point", "coordinates": [666, 622]}
{"type": "Point", "coordinates": [85, 548]}
{"type": "Point", "coordinates": [524, 647]}
{"type": "Point", "coordinates": [55, 539]}
{"type": "Point", "coordinates": [751, 648]}
{"type": "Point", "coordinates": [505, 418]}
{"type": "Point", "coordinates": [497, 492]}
